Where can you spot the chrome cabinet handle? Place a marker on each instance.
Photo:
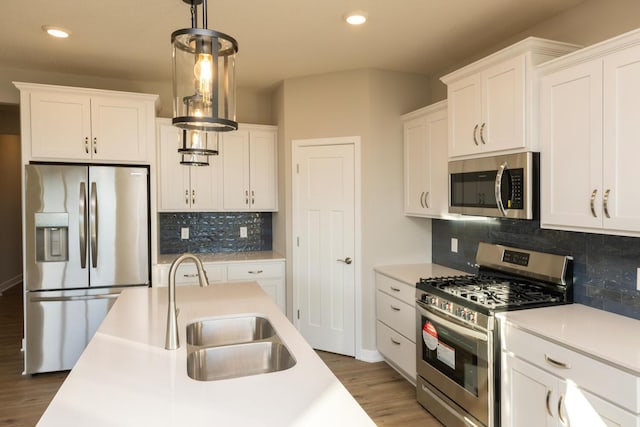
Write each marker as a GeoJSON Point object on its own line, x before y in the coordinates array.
{"type": "Point", "coordinates": [82, 225]}
{"type": "Point", "coordinates": [95, 145]}
{"type": "Point", "coordinates": [548, 399]}
{"type": "Point", "coordinates": [93, 218]}
{"type": "Point", "coordinates": [426, 200]}
{"type": "Point", "coordinates": [498, 188]}
{"type": "Point", "coordinates": [246, 197]}
{"type": "Point", "coordinates": [555, 363]}
{"type": "Point", "coordinates": [605, 203]}
{"type": "Point", "coordinates": [421, 199]}
{"type": "Point", "coordinates": [475, 134]}
{"type": "Point", "coordinates": [482, 133]}
{"type": "Point", "coordinates": [395, 289]}
{"type": "Point", "coordinates": [86, 144]}
{"type": "Point", "coordinates": [255, 271]}
{"type": "Point", "coordinates": [186, 197]}
{"type": "Point", "coordinates": [347, 260]}
{"type": "Point", "coordinates": [193, 197]}
{"type": "Point", "coordinates": [190, 275]}
{"type": "Point", "coordinates": [394, 341]}
{"type": "Point", "coordinates": [593, 199]}
{"type": "Point", "coordinates": [394, 308]}
{"type": "Point", "coordinates": [562, 420]}
{"type": "Point", "coordinates": [253, 197]}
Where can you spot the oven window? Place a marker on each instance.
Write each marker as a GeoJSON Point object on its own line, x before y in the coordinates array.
{"type": "Point", "coordinates": [453, 354]}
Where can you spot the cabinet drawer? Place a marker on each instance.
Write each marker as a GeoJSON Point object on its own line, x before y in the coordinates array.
{"type": "Point", "coordinates": [396, 288]}
{"type": "Point", "coordinates": [589, 374]}
{"type": "Point", "coordinates": [397, 315]}
{"type": "Point", "coordinates": [255, 271]}
{"type": "Point", "coordinates": [397, 349]}
{"type": "Point", "coordinates": [187, 274]}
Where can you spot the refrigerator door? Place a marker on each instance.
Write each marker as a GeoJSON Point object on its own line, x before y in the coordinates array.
{"type": "Point", "coordinates": [59, 325]}
{"type": "Point", "coordinates": [118, 231]}
{"type": "Point", "coordinates": [55, 227]}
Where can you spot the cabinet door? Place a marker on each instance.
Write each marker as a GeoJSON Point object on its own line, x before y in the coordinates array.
{"type": "Point", "coordinates": [263, 170]}
{"type": "Point", "coordinates": [173, 178]}
{"type": "Point", "coordinates": [205, 184]}
{"type": "Point", "coordinates": [60, 126]}
{"type": "Point", "coordinates": [235, 168]}
{"type": "Point", "coordinates": [415, 166]}
{"type": "Point", "coordinates": [503, 107]}
{"type": "Point", "coordinates": [465, 116]}
{"type": "Point", "coordinates": [529, 395]}
{"type": "Point", "coordinates": [437, 190]}
{"type": "Point", "coordinates": [118, 128]}
{"type": "Point", "coordinates": [571, 151]}
{"type": "Point", "coordinates": [621, 141]}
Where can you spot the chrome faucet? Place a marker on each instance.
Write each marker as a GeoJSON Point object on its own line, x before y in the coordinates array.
{"type": "Point", "coordinates": [171, 340]}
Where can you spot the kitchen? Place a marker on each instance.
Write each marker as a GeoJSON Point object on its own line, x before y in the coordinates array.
{"type": "Point", "coordinates": [409, 241]}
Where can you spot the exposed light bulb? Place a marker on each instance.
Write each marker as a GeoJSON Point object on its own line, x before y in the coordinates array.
{"type": "Point", "coordinates": [57, 32]}
{"type": "Point", "coordinates": [203, 72]}
{"type": "Point", "coordinates": [356, 18]}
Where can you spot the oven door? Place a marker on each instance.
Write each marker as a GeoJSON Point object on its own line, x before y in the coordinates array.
{"type": "Point", "coordinates": [454, 359]}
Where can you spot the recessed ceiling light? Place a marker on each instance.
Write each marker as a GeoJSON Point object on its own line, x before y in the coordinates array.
{"type": "Point", "coordinates": [356, 18]}
{"type": "Point", "coordinates": [58, 32]}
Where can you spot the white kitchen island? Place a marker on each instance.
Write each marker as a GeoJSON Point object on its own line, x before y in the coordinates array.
{"type": "Point", "coordinates": [125, 377]}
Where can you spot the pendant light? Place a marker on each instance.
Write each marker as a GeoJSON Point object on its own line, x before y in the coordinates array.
{"type": "Point", "coordinates": [204, 87]}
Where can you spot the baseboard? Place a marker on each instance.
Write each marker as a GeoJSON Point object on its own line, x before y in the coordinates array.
{"type": "Point", "coordinates": [371, 356]}
{"type": "Point", "coordinates": [10, 283]}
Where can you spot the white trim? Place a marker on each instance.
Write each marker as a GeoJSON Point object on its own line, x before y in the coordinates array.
{"type": "Point", "coordinates": [7, 284]}
{"type": "Point", "coordinates": [357, 171]}
{"type": "Point", "coordinates": [371, 356]}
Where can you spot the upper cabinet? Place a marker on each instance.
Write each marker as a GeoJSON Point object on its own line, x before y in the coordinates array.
{"type": "Point", "coordinates": [87, 125]}
{"type": "Point", "coordinates": [425, 161]}
{"type": "Point", "coordinates": [183, 187]}
{"type": "Point", "coordinates": [491, 102]}
{"type": "Point", "coordinates": [589, 113]}
{"type": "Point", "coordinates": [250, 171]}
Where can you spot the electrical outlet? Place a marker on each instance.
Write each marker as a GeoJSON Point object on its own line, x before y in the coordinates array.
{"type": "Point", "coordinates": [638, 279]}
{"type": "Point", "coordinates": [454, 245]}
{"type": "Point", "coordinates": [243, 232]}
{"type": "Point", "coordinates": [184, 233]}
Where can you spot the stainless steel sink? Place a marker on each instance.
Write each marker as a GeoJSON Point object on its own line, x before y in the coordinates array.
{"type": "Point", "coordinates": [238, 360]}
{"type": "Point", "coordinates": [230, 330]}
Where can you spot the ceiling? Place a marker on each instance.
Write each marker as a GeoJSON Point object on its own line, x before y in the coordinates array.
{"type": "Point", "coordinates": [278, 39]}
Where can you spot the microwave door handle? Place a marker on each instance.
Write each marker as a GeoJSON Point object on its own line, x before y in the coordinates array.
{"type": "Point", "coordinates": [498, 188]}
{"type": "Point", "coordinates": [462, 330]}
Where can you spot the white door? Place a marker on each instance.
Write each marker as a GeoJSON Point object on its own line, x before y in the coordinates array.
{"type": "Point", "coordinates": [324, 261]}
{"type": "Point", "coordinates": [465, 116]}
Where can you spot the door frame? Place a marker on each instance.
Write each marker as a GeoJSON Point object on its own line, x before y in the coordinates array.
{"type": "Point", "coordinates": [296, 145]}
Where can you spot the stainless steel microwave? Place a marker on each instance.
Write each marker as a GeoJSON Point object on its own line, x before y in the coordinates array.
{"type": "Point", "coordinates": [503, 186]}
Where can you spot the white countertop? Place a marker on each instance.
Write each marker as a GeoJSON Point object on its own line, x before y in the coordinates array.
{"type": "Point", "coordinates": [609, 337]}
{"type": "Point", "coordinates": [411, 273]}
{"type": "Point", "coordinates": [125, 377]}
{"type": "Point", "coordinates": [227, 257]}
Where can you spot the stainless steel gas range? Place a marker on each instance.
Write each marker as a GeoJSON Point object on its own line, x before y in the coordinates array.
{"type": "Point", "coordinates": [458, 339]}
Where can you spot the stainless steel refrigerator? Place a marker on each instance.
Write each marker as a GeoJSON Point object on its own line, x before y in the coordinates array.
{"type": "Point", "coordinates": [86, 239]}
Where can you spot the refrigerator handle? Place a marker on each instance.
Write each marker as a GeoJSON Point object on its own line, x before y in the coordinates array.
{"type": "Point", "coordinates": [83, 225]}
{"type": "Point", "coordinates": [93, 219]}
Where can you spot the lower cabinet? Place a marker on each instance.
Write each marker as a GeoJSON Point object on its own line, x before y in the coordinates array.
{"type": "Point", "coordinates": [269, 275]}
{"type": "Point", "coordinates": [396, 324]}
{"type": "Point", "coordinates": [546, 384]}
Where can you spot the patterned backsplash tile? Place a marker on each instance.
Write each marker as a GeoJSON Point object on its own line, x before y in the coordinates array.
{"type": "Point", "coordinates": [215, 232]}
{"type": "Point", "coordinates": [604, 268]}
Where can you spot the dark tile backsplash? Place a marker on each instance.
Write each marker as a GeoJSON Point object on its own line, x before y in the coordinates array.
{"type": "Point", "coordinates": [604, 266]}
{"type": "Point", "coordinates": [211, 232]}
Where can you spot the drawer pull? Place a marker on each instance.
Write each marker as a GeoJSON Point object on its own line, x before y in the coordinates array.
{"type": "Point", "coordinates": [548, 407]}
{"type": "Point", "coordinates": [191, 275]}
{"type": "Point", "coordinates": [255, 271]}
{"type": "Point", "coordinates": [394, 308]}
{"type": "Point", "coordinates": [555, 363]}
{"type": "Point", "coordinates": [395, 289]}
{"type": "Point", "coordinates": [394, 341]}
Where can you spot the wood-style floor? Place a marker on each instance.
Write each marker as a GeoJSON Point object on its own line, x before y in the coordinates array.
{"type": "Point", "coordinates": [385, 395]}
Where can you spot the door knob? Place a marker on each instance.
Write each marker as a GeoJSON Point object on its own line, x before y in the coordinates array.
{"type": "Point", "coordinates": [347, 260]}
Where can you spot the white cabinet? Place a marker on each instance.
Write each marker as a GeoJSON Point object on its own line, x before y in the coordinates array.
{"type": "Point", "coordinates": [183, 187]}
{"type": "Point", "coordinates": [425, 161]}
{"type": "Point", "coordinates": [589, 135]}
{"type": "Point", "coordinates": [396, 324]}
{"type": "Point", "coordinates": [270, 275]}
{"type": "Point", "coordinates": [74, 124]}
{"type": "Point", "coordinates": [250, 177]}
{"type": "Point", "coordinates": [546, 384]}
{"type": "Point", "coordinates": [492, 101]}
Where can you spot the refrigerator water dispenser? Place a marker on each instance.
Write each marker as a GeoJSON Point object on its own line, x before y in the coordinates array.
{"type": "Point", "coordinates": [52, 231]}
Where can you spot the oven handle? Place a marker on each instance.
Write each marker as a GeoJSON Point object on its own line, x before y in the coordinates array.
{"type": "Point", "coordinates": [498, 188]}
{"type": "Point", "coordinates": [462, 330]}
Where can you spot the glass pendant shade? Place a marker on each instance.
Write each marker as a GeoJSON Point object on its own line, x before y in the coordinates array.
{"type": "Point", "coordinates": [204, 85]}
{"type": "Point", "coordinates": [197, 146]}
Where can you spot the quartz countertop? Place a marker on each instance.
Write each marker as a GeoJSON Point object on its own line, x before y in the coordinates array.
{"type": "Point", "coordinates": [411, 273]}
{"type": "Point", "coordinates": [125, 377]}
{"type": "Point", "coordinates": [609, 337]}
{"type": "Point", "coordinates": [227, 257]}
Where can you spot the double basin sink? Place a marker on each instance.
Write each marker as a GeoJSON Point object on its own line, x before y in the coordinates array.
{"type": "Point", "coordinates": [232, 347]}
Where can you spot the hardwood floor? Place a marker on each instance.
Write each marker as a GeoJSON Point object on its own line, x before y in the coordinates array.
{"type": "Point", "coordinates": [383, 393]}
